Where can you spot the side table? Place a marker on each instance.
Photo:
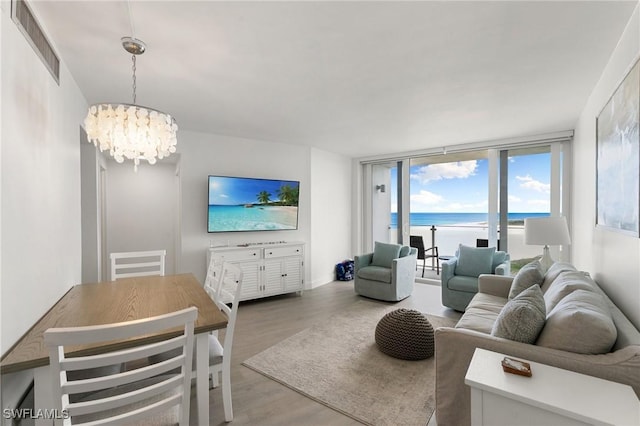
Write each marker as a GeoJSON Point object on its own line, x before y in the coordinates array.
{"type": "Point", "coordinates": [551, 396]}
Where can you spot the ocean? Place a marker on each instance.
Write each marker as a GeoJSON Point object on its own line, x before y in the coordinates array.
{"type": "Point", "coordinates": [223, 218]}
{"type": "Point", "coordinates": [428, 219]}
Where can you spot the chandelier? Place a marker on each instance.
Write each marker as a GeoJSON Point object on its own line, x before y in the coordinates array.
{"type": "Point", "coordinates": [131, 131]}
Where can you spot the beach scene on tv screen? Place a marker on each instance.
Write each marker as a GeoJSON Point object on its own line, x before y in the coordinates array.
{"type": "Point", "coordinates": [246, 204]}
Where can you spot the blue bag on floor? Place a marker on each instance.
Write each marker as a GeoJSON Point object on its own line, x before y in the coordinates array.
{"type": "Point", "coordinates": [344, 270]}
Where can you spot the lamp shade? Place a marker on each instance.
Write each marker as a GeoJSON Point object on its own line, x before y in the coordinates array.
{"type": "Point", "coordinates": [546, 231]}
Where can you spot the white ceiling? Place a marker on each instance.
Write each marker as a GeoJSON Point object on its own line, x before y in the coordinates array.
{"type": "Point", "coordinates": [357, 78]}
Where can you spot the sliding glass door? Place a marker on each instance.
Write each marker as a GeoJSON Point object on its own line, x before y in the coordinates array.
{"type": "Point", "coordinates": [474, 197]}
{"type": "Point", "coordinates": [449, 199]}
{"type": "Point", "coordinates": [532, 186]}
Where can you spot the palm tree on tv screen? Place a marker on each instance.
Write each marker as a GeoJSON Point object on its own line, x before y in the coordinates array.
{"type": "Point", "coordinates": [264, 197]}
{"type": "Point", "coordinates": [288, 195]}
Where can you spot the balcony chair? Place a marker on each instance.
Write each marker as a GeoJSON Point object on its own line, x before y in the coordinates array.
{"type": "Point", "coordinates": [459, 279]}
{"type": "Point", "coordinates": [151, 395]}
{"type": "Point", "coordinates": [137, 264]}
{"type": "Point", "coordinates": [386, 274]}
{"type": "Point", "coordinates": [424, 254]}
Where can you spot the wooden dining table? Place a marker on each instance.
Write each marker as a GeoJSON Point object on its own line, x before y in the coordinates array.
{"type": "Point", "coordinates": [111, 302]}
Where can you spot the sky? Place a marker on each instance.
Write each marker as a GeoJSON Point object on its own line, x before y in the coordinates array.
{"type": "Point", "coordinates": [461, 187]}
{"type": "Point", "coordinates": [233, 191]}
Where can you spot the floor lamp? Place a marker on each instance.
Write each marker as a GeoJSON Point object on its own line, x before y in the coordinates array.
{"type": "Point", "coordinates": [546, 231]}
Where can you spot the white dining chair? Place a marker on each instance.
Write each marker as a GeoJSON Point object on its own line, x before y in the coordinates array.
{"type": "Point", "coordinates": [227, 293]}
{"type": "Point", "coordinates": [213, 277]}
{"type": "Point", "coordinates": [140, 396]}
{"type": "Point", "coordinates": [211, 282]}
{"type": "Point", "coordinates": [137, 264]}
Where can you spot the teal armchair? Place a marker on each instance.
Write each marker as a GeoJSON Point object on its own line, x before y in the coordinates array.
{"type": "Point", "coordinates": [386, 274]}
{"type": "Point", "coordinates": [459, 278]}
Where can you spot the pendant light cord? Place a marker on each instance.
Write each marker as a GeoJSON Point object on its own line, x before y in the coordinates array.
{"type": "Point", "coordinates": [133, 56]}
{"type": "Point", "coordinates": [133, 59]}
{"type": "Point", "coordinates": [133, 31]}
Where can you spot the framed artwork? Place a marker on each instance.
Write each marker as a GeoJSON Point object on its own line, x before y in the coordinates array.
{"type": "Point", "coordinates": [618, 158]}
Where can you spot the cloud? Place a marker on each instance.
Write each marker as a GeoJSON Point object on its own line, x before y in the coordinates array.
{"type": "Point", "coordinates": [425, 198]}
{"type": "Point", "coordinates": [456, 170]}
{"type": "Point", "coordinates": [527, 182]}
{"type": "Point", "coordinates": [223, 196]}
{"type": "Point", "coordinates": [514, 199]}
{"type": "Point", "coordinates": [543, 203]}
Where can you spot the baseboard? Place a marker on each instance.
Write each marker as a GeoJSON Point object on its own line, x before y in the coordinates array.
{"type": "Point", "coordinates": [322, 281]}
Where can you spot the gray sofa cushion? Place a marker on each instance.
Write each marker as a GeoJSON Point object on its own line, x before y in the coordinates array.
{"type": "Point", "coordinates": [473, 261]}
{"type": "Point", "coordinates": [528, 275]}
{"type": "Point", "coordinates": [523, 317]}
{"type": "Point", "coordinates": [383, 254]}
{"type": "Point", "coordinates": [566, 283]}
{"type": "Point", "coordinates": [581, 323]}
{"type": "Point", "coordinates": [553, 272]}
{"type": "Point", "coordinates": [482, 313]}
{"type": "Point", "coordinates": [375, 273]}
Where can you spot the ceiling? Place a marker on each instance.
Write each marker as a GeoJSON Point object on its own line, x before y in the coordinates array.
{"type": "Point", "coordinates": [356, 78]}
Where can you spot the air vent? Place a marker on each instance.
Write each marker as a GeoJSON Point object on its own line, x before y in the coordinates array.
{"type": "Point", "coordinates": [24, 19]}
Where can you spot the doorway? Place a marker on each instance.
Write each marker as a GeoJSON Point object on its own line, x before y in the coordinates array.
{"type": "Point", "coordinates": [124, 210]}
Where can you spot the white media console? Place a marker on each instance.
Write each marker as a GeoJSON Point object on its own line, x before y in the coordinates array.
{"type": "Point", "coordinates": [268, 268]}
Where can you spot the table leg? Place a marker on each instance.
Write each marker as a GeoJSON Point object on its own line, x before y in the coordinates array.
{"type": "Point", "coordinates": [202, 379]}
{"type": "Point", "coordinates": [42, 394]}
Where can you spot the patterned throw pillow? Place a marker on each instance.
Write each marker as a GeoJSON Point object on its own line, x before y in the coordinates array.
{"type": "Point", "coordinates": [522, 318]}
{"type": "Point", "coordinates": [528, 275]}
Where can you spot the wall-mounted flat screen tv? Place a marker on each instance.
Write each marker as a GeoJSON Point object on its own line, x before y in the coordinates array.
{"type": "Point", "coordinates": [249, 204]}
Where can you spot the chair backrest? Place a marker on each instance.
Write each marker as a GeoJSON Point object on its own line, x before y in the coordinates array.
{"type": "Point", "coordinates": [417, 242]}
{"type": "Point", "coordinates": [132, 395]}
{"type": "Point", "coordinates": [214, 276]}
{"type": "Point", "coordinates": [137, 264]}
{"type": "Point", "coordinates": [228, 293]}
{"type": "Point", "coordinates": [483, 242]}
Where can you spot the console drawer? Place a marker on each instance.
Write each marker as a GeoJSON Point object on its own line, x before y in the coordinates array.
{"type": "Point", "coordinates": [238, 255]}
{"type": "Point", "coordinates": [282, 251]}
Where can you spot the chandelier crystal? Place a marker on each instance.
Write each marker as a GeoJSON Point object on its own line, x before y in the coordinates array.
{"type": "Point", "coordinates": [130, 131]}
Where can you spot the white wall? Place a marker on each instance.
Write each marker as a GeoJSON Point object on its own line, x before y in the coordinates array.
{"type": "Point", "coordinates": [141, 209]}
{"type": "Point", "coordinates": [612, 258]}
{"type": "Point", "coordinates": [89, 209]}
{"type": "Point", "coordinates": [330, 214]}
{"type": "Point", "coordinates": [207, 154]}
{"type": "Point", "coordinates": [325, 198]}
{"type": "Point", "coordinates": [40, 190]}
{"type": "Point", "coordinates": [380, 205]}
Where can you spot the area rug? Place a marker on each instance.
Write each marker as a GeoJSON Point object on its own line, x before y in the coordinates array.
{"type": "Point", "coordinates": [338, 364]}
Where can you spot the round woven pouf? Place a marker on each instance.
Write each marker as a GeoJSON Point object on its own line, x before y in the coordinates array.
{"type": "Point", "coordinates": [405, 334]}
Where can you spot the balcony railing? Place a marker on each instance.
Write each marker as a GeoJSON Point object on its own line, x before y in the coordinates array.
{"type": "Point", "coordinates": [448, 237]}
